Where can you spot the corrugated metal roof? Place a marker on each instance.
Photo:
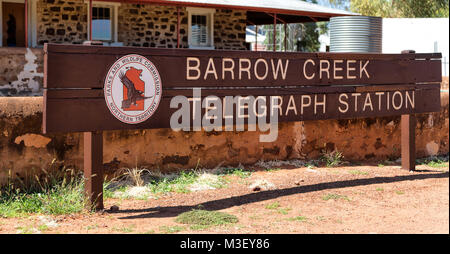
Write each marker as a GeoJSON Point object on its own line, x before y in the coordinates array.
{"type": "Point", "coordinates": [291, 7]}
{"type": "Point", "coordinates": [284, 6]}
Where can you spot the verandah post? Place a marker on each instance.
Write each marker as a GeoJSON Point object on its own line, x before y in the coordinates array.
{"type": "Point", "coordinates": [90, 21]}
{"type": "Point", "coordinates": [408, 136]}
{"type": "Point", "coordinates": [93, 169]}
{"type": "Point", "coordinates": [274, 32]}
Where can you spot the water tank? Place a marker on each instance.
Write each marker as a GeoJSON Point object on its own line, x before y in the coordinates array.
{"type": "Point", "coordinates": [356, 34]}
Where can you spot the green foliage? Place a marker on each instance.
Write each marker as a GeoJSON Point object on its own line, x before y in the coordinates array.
{"type": "Point", "coordinates": [205, 218]}
{"type": "Point", "coordinates": [311, 165]}
{"type": "Point", "coordinates": [438, 164]}
{"type": "Point", "coordinates": [397, 8]}
{"type": "Point", "coordinates": [240, 172]}
{"type": "Point", "coordinates": [309, 38]}
{"type": "Point", "coordinates": [26, 230]}
{"type": "Point", "coordinates": [125, 229]}
{"type": "Point", "coordinates": [183, 182]}
{"type": "Point", "coordinates": [136, 175]}
{"type": "Point", "coordinates": [333, 158]}
{"type": "Point", "coordinates": [284, 210]}
{"type": "Point", "coordinates": [377, 8]}
{"type": "Point", "coordinates": [423, 8]}
{"type": "Point", "coordinates": [274, 205]}
{"type": "Point", "coordinates": [178, 184]}
{"type": "Point", "coordinates": [58, 192]}
{"type": "Point", "coordinates": [434, 161]}
{"type": "Point", "coordinates": [335, 197]}
{"type": "Point", "coordinates": [358, 172]}
{"type": "Point", "coordinates": [108, 192]}
{"type": "Point", "coordinates": [272, 169]}
{"type": "Point", "coordinates": [298, 218]}
{"type": "Point", "coordinates": [302, 37]}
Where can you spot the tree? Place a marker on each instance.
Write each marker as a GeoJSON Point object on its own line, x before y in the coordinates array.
{"type": "Point", "coordinates": [397, 8]}
{"type": "Point", "coordinates": [300, 36]}
{"type": "Point", "coordinates": [378, 8]}
{"type": "Point", "coordinates": [423, 8]}
{"type": "Point", "coordinates": [308, 41]}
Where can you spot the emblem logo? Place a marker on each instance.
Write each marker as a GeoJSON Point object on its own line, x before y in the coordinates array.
{"type": "Point", "coordinates": [133, 89]}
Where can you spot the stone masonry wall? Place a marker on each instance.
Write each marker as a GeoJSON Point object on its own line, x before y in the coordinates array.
{"type": "Point", "coordinates": [143, 25]}
{"type": "Point", "coordinates": [229, 29]}
{"type": "Point", "coordinates": [61, 21]}
{"type": "Point", "coordinates": [147, 25]}
{"type": "Point", "coordinates": [155, 26]}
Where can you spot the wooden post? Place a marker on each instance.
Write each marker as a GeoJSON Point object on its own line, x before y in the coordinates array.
{"type": "Point", "coordinates": [408, 129]}
{"type": "Point", "coordinates": [408, 136]}
{"type": "Point", "coordinates": [93, 168]}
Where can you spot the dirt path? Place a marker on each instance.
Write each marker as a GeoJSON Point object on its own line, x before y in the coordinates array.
{"type": "Point", "coordinates": [353, 199]}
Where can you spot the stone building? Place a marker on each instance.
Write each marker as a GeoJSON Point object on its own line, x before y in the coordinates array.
{"type": "Point", "coordinates": [143, 25]}
{"type": "Point", "coordinates": [200, 24]}
{"type": "Point", "coordinates": [28, 24]}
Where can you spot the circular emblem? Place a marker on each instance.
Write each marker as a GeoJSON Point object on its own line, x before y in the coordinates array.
{"type": "Point", "coordinates": [132, 89]}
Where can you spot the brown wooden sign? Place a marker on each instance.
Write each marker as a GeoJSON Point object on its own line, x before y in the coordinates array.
{"type": "Point", "coordinates": [303, 86]}
{"type": "Point", "coordinates": [94, 88]}
{"type": "Point", "coordinates": [89, 65]}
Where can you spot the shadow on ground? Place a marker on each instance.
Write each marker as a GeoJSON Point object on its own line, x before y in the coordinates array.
{"type": "Point", "coordinates": [173, 211]}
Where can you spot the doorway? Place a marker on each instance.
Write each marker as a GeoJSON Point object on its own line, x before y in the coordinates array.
{"type": "Point", "coordinates": [13, 24]}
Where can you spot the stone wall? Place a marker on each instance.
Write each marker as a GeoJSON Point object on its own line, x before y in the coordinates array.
{"type": "Point", "coordinates": [229, 29]}
{"type": "Point", "coordinates": [147, 25]}
{"type": "Point", "coordinates": [143, 25]}
{"type": "Point", "coordinates": [21, 71]}
{"type": "Point", "coordinates": [155, 26]}
{"type": "Point", "coordinates": [61, 21]}
{"type": "Point", "coordinates": [24, 149]}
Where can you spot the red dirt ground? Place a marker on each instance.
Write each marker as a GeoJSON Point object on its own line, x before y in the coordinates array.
{"type": "Point", "coordinates": [372, 200]}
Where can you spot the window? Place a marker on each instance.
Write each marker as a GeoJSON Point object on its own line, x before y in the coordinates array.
{"type": "Point", "coordinates": [102, 23]}
{"type": "Point", "coordinates": [201, 28]}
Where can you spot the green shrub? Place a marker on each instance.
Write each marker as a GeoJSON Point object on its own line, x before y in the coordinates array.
{"type": "Point", "coordinates": [55, 192]}
{"type": "Point", "coordinates": [205, 218]}
{"type": "Point", "coordinates": [333, 158]}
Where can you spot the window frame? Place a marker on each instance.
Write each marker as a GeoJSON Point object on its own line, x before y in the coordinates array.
{"type": "Point", "coordinates": [114, 18]}
{"type": "Point", "coordinates": [209, 13]}
{"type": "Point", "coordinates": [111, 18]}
